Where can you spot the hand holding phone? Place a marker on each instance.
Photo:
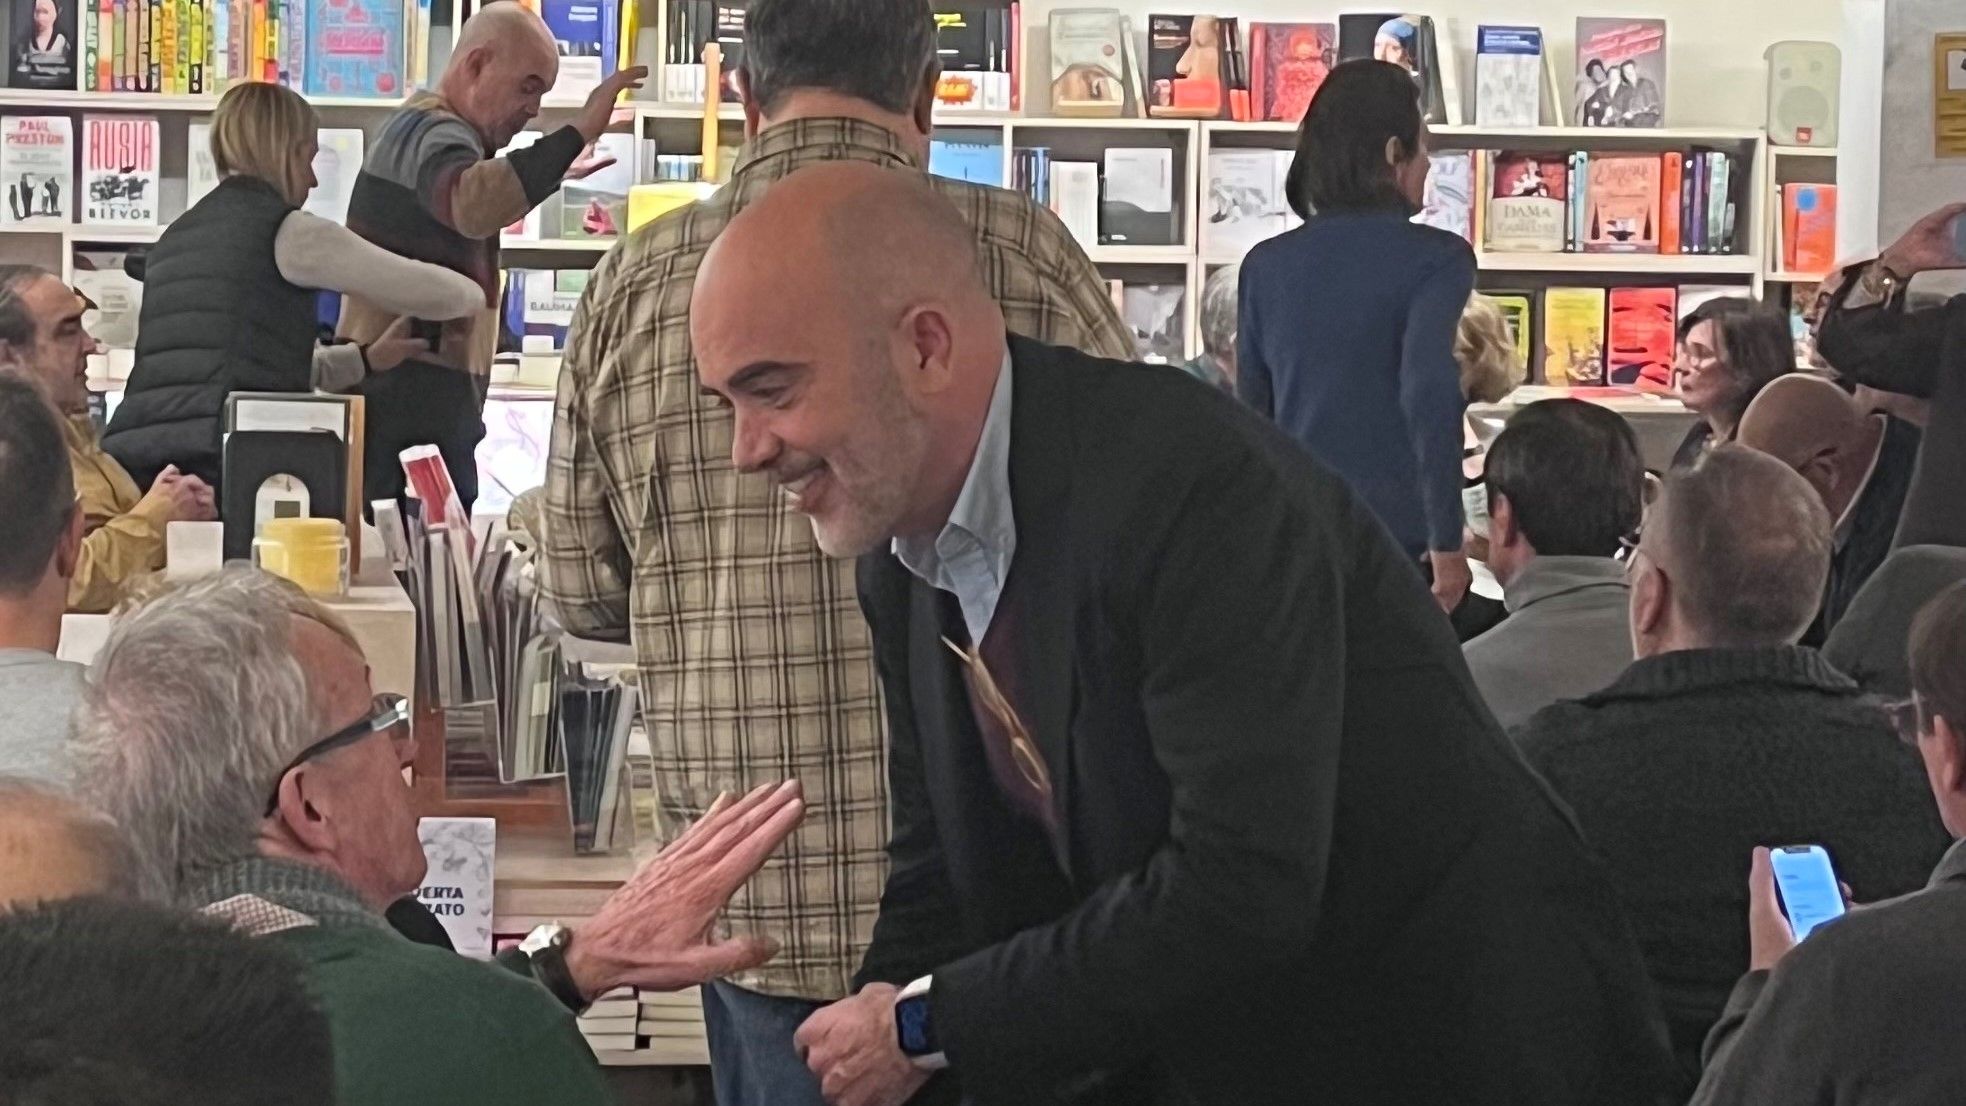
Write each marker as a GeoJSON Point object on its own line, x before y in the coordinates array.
{"type": "Point", "coordinates": [1807, 882]}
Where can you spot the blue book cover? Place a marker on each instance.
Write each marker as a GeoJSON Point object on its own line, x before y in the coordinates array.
{"type": "Point", "coordinates": [355, 48]}
{"type": "Point", "coordinates": [587, 33]}
{"type": "Point", "coordinates": [975, 162]}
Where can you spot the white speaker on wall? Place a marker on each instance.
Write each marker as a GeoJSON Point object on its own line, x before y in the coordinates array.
{"type": "Point", "coordinates": [1803, 80]}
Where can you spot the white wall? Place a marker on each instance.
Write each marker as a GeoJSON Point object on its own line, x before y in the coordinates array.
{"type": "Point", "coordinates": [1715, 75]}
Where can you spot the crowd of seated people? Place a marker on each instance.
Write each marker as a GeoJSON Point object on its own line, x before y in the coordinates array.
{"type": "Point", "coordinates": [1156, 749]}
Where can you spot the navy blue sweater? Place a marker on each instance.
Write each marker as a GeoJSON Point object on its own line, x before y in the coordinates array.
{"type": "Point", "coordinates": [1347, 342]}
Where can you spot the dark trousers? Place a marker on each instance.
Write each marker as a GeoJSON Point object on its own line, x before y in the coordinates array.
{"type": "Point", "coordinates": [418, 404]}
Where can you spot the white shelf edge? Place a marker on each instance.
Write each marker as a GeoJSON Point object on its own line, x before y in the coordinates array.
{"type": "Point", "coordinates": [557, 245]}
{"type": "Point", "coordinates": [1619, 263]}
{"type": "Point", "coordinates": [1604, 136]}
{"type": "Point", "coordinates": [1781, 276]}
{"type": "Point", "coordinates": [160, 102]}
{"type": "Point", "coordinates": [1801, 151]}
{"type": "Point", "coordinates": [1140, 255]}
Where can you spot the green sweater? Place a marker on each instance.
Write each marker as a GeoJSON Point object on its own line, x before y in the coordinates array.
{"type": "Point", "coordinates": [421, 1026]}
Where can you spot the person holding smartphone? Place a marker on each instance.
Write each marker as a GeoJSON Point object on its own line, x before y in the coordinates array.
{"type": "Point", "coordinates": [1869, 1000]}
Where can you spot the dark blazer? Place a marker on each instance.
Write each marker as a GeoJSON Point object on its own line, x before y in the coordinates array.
{"type": "Point", "coordinates": [1297, 860]}
{"type": "Point", "coordinates": [1914, 353]}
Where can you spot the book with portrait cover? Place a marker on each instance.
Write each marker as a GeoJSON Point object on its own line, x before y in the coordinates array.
{"type": "Point", "coordinates": [1405, 39]}
{"type": "Point", "coordinates": [37, 168]}
{"type": "Point", "coordinates": [1184, 66]}
{"type": "Point", "coordinates": [1527, 203]}
{"type": "Point", "coordinates": [1508, 76]}
{"type": "Point", "coordinates": [1449, 202]}
{"type": "Point", "coordinates": [355, 48]}
{"type": "Point", "coordinates": [1573, 336]}
{"type": "Point", "coordinates": [1088, 61]}
{"type": "Point", "coordinates": [1623, 204]}
{"type": "Point", "coordinates": [1621, 73]}
{"type": "Point", "coordinates": [1290, 62]}
{"type": "Point", "coordinates": [1639, 337]}
{"type": "Point", "coordinates": [41, 45]}
{"type": "Point", "coordinates": [119, 169]}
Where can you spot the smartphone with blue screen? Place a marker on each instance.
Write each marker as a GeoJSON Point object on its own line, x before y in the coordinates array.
{"type": "Point", "coordinates": [1807, 882]}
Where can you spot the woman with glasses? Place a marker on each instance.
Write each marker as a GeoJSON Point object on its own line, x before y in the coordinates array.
{"type": "Point", "coordinates": [1728, 350]}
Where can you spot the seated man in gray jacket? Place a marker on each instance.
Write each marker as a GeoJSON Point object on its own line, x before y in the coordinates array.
{"type": "Point", "coordinates": [1565, 491]}
{"type": "Point", "coordinates": [1867, 1009]}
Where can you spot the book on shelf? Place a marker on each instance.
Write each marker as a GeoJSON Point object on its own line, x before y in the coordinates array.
{"type": "Point", "coordinates": [649, 202]}
{"type": "Point", "coordinates": [43, 49]}
{"type": "Point", "coordinates": [1621, 73]}
{"type": "Point", "coordinates": [443, 514]}
{"type": "Point", "coordinates": [353, 48]}
{"type": "Point", "coordinates": [1153, 312]}
{"type": "Point", "coordinates": [584, 31]}
{"type": "Point", "coordinates": [596, 206]}
{"type": "Point", "coordinates": [1089, 49]}
{"type": "Point", "coordinates": [1527, 205]}
{"type": "Point", "coordinates": [459, 861]}
{"type": "Point", "coordinates": [1639, 337]}
{"type": "Point", "coordinates": [1138, 208]}
{"type": "Point", "coordinates": [1518, 314]}
{"type": "Point", "coordinates": [1808, 228]}
{"type": "Point", "coordinates": [1288, 63]}
{"type": "Point", "coordinates": [975, 162]}
{"type": "Point", "coordinates": [1075, 199]}
{"type": "Point", "coordinates": [337, 161]}
{"type": "Point", "coordinates": [120, 179]}
{"type": "Point", "coordinates": [1185, 75]}
{"type": "Point", "coordinates": [618, 1003]}
{"type": "Point", "coordinates": [1408, 41]}
{"type": "Point", "coordinates": [599, 711]}
{"type": "Point", "coordinates": [978, 46]}
{"type": "Point", "coordinates": [1573, 336]}
{"type": "Point", "coordinates": [37, 168]}
{"type": "Point", "coordinates": [1030, 173]}
{"type": "Point", "coordinates": [694, 24]}
{"type": "Point", "coordinates": [1449, 202]}
{"type": "Point", "coordinates": [1622, 194]}
{"type": "Point", "coordinates": [116, 296]}
{"type": "Point", "coordinates": [1245, 202]}
{"type": "Point", "coordinates": [1508, 76]}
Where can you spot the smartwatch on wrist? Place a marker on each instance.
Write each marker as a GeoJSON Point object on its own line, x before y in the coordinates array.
{"type": "Point", "coordinates": [546, 948]}
{"type": "Point", "coordinates": [914, 1027]}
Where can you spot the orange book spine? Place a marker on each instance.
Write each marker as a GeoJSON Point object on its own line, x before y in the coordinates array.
{"type": "Point", "coordinates": [1671, 174]}
{"type": "Point", "coordinates": [1811, 240]}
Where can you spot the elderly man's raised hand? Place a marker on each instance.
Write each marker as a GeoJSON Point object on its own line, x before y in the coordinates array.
{"type": "Point", "coordinates": [655, 933]}
{"type": "Point", "coordinates": [598, 111]}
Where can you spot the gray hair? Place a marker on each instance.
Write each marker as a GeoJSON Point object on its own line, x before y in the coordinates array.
{"type": "Point", "coordinates": [1218, 311]}
{"type": "Point", "coordinates": [1746, 543]}
{"type": "Point", "coordinates": [18, 327]}
{"type": "Point", "coordinates": [31, 809]}
{"type": "Point", "coordinates": [880, 51]}
{"type": "Point", "coordinates": [194, 705]}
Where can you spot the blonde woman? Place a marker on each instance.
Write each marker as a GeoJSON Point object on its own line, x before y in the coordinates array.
{"type": "Point", "coordinates": [230, 293]}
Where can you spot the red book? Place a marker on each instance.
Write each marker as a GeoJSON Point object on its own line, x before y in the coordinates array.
{"type": "Point", "coordinates": [1623, 193]}
{"type": "Point", "coordinates": [1672, 170]}
{"type": "Point", "coordinates": [1809, 227]}
{"type": "Point", "coordinates": [1640, 337]}
{"type": "Point", "coordinates": [1288, 62]}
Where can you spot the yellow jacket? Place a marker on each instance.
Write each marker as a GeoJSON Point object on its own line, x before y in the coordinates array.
{"type": "Point", "coordinates": [123, 531]}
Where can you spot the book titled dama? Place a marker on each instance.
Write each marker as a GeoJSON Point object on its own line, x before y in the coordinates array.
{"type": "Point", "coordinates": [1527, 203]}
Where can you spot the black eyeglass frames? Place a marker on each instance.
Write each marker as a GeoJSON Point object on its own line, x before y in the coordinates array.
{"type": "Point", "coordinates": [386, 713]}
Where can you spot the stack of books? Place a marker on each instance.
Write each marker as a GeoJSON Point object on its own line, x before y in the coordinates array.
{"type": "Point", "coordinates": [609, 1024]}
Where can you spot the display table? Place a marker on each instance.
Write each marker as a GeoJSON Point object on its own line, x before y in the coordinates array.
{"type": "Point", "coordinates": [539, 879]}
{"type": "Point", "coordinates": [1660, 422]}
{"type": "Point", "coordinates": [376, 610]}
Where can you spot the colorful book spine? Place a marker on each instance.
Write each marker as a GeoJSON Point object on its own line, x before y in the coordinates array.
{"type": "Point", "coordinates": [296, 24]}
{"type": "Point", "coordinates": [118, 39]}
{"type": "Point", "coordinates": [167, 48]}
{"type": "Point", "coordinates": [270, 69]}
{"type": "Point", "coordinates": [1717, 192]}
{"type": "Point", "coordinates": [218, 30]}
{"type": "Point", "coordinates": [1670, 168]}
{"type": "Point", "coordinates": [154, 64]}
{"type": "Point", "coordinates": [89, 48]}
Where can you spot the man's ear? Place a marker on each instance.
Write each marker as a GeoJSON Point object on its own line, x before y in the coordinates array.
{"type": "Point", "coordinates": [1948, 761]}
{"type": "Point", "coordinates": [754, 117]}
{"type": "Point", "coordinates": [924, 112]}
{"type": "Point", "coordinates": [1651, 598]}
{"type": "Point", "coordinates": [1501, 520]}
{"type": "Point", "coordinates": [299, 809]}
{"type": "Point", "coordinates": [68, 551]}
{"type": "Point", "coordinates": [931, 347]}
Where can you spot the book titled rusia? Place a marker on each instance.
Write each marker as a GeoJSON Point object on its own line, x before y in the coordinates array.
{"type": "Point", "coordinates": [1527, 203]}
{"type": "Point", "coordinates": [1573, 336]}
{"type": "Point", "coordinates": [119, 170]}
{"type": "Point", "coordinates": [1289, 62]}
{"type": "Point", "coordinates": [1623, 204]}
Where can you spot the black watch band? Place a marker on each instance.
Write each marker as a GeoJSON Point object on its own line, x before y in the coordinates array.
{"type": "Point", "coordinates": [549, 967]}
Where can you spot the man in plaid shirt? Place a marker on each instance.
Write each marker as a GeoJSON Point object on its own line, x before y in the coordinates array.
{"type": "Point", "coordinates": [756, 663]}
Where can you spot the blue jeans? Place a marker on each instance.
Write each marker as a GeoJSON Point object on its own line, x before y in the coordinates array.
{"type": "Point", "coordinates": [752, 1059]}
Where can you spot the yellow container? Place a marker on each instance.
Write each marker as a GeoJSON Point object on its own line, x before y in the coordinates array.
{"type": "Point", "coordinates": [312, 552]}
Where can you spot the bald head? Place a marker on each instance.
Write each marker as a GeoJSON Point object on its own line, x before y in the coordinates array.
{"type": "Point", "coordinates": [843, 317]}
{"type": "Point", "coordinates": [1798, 416]}
{"type": "Point", "coordinates": [52, 847]}
{"type": "Point", "coordinates": [505, 59]}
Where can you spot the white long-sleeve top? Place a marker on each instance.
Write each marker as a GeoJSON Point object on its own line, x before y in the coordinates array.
{"type": "Point", "coordinates": [313, 252]}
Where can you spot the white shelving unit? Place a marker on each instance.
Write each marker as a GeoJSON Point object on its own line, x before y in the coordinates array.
{"type": "Point", "coordinates": [1790, 165]}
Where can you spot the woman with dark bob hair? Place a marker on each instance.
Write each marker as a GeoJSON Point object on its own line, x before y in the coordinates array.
{"type": "Point", "coordinates": [1348, 322]}
{"type": "Point", "coordinates": [1728, 350]}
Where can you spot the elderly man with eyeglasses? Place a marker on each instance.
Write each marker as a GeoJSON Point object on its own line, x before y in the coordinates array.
{"type": "Point", "coordinates": [231, 728]}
